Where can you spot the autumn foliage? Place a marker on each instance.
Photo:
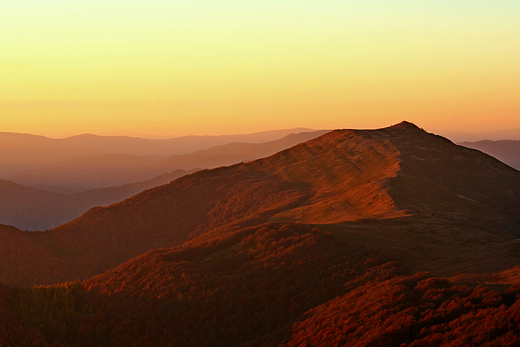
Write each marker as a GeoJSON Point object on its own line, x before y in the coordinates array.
{"type": "Point", "coordinates": [274, 284]}
{"type": "Point", "coordinates": [221, 257]}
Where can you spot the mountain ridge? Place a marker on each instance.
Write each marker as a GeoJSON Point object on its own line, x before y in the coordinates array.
{"type": "Point", "coordinates": [344, 176]}
{"type": "Point", "coordinates": [325, 244]}
{"type": "Point", "coordinates": [110, 163]}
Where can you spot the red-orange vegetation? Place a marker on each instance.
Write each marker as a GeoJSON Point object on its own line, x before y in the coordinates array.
{"type": "Point", "coordinates": [341, 176]}
{"type": "Point", "coordinates": [216, 274]}
{"type": "Point", "coordinates": [24, 261]}
{"type": "Point", "coordinates": [245, 290]}
{"type": "Point", "coordinates": [414, 311]}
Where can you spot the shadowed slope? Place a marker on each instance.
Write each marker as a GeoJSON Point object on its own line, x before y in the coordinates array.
{"type": "Point", "coordinates": [168, 215]}
{"type": "Point", "coordinates": [245, 290]}
{"type": "Point", "coordinates": [34, 209]}
{"type": "Point", "coordinates": [440, 179]}
{"type": "Point", "coordinates": [24, 261]}
{"type": "Point", "coordinates": [342, 176]}
{"type": "Point", "coordinates": [275, 284]}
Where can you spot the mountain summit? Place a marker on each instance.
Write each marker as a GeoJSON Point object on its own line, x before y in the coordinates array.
{"type": "Point", "coordinates": [419, 183]}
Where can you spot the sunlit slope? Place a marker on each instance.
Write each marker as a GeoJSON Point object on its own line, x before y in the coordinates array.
{"type": "Point", "coordinates": [346, 175]}
{"type": "Point", "coordinates": [342, 176]}
{"type": "Point", "coordinates": [392, 172]}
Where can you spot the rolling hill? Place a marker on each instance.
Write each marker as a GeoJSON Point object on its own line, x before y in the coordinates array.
{"type": "Point", "coordinates": [317, 245]}
{"type": "Point", "coordinates": [25, 157]}
{"type": "Point", "coordinates": [400, 182]}
{"type": "Point", "coordinates": [117, 168]}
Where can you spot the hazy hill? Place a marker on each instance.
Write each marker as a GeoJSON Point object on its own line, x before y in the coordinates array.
{"type": "Point", "coordinates": [507, 151]}
{"type": "Point", "coordinates": [497, 135]}
{"type": "Point", "coordinates": [30, 208]}
{"type": "Point", "coordinates": [21, 152]}
{"type": "Point", "coordinates": [96, 171]}
{"type": "Point", "coordinates": [233, 153]}
{"type": "Point", "coordinates": [38, 209]}
{"type": "Point", "coordinates": [117, 165]}
{"type": "Point", "coordinates": [190, 144]}
{"type": "Point", "coordinates": [428, 197]}
{"type": "Point", "coordinates": [33, 209]}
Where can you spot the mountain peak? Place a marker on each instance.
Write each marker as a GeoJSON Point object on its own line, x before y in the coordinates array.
{"type": "Point", "coordinates": [405, 125]}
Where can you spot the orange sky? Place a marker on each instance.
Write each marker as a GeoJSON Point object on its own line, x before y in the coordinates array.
{"type": "Point", "coordinates": [166, 68]}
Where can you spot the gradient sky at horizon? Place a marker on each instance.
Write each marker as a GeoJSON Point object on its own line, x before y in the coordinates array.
{"type": "Point", "coordinates": [167, 68]}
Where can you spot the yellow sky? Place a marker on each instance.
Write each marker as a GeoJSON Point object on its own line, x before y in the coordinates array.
{"type": "Point", "coordinates": [169, 68]}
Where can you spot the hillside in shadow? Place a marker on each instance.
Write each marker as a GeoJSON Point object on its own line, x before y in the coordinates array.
{"type": "Point", "coordinates": [342, 177]}
{"type": "Point", "coordinates": [336, 241]}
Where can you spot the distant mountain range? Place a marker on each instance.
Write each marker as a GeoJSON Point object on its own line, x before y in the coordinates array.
{"type": "Point", "coordinates": [87, 162]}
{"type": "Point", "coordinates": [25, 151]}
{"type": "Point", "coordinates": [497, 135]}
{"type": "Point", "coordinates": [507, 151]}
{"type": "Point", "coordinates": [399, 173]}
{"type": "Point", "coordinates": [37, 209]}
{"type": "Point", "coordinates": [325, 243]}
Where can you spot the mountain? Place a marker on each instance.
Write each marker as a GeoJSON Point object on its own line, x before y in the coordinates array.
{"type": "Point", "coordinates": [92, 161]}
{"type": "Point", "coordinates": [34, 209]}
{"type": "Point", "coordinates": [507, 151]}
{"type": "Point", "coordinates": [191, 144]}
{"type": "Point", "coordinates": [394, 188]}
{"type": "Point", "coordinates": [234, 152]}
{"type": "Point", "coordinates": [22, 152]}
{"type": "Point", "coordinates": [94, 171]}
{"type": "Point", "coordinates": [497, 135]}
{"type": "Point", "coordinates": [322, 244]}
{"type": "Point", "coordinates": [30, 208]}
{"type": "Point", "coordinates": [277, 284]}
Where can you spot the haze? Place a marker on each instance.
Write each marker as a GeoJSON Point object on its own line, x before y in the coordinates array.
{"type": "Point", "coordinates": [159, 69]}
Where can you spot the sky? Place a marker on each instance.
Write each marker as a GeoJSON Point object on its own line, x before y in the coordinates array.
{"type": "Point", "coordinates": [162, 69]}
